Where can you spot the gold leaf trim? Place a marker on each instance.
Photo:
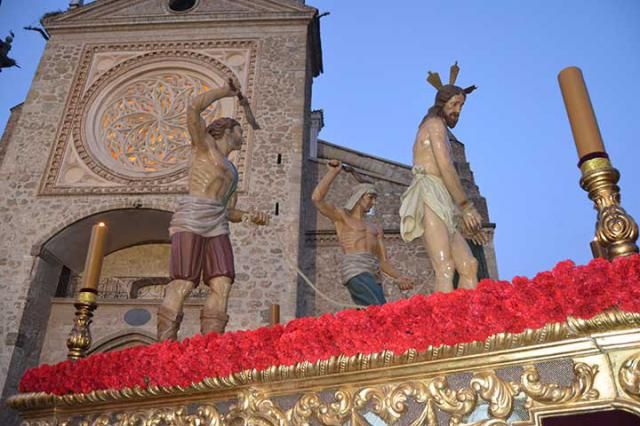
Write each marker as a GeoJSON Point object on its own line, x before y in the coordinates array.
{"type": "Point", "coordinates": [608, 320]}
{"type": "Point", "coordinates": [629, 376]}
{"type": "Point", "coordinates": [580, 390]}
{"type": "Point", "coordinates": [612, 319]}
{"type": "Point", "coordinates": [497, 392]}
{"type": "Point", "coordinates": [388, 401]}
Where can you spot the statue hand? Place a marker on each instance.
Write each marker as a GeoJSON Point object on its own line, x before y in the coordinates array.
{"type": "Point", "coordinates": [334, 164]}
{"type": "Point", "coordinates": [471, 219]}
{"type": "Point", "coordinates": [232, 86]}
{"type": "Point", "coordinates": [259, 218]}
{"type": "Point", "coordinates": [406, 282]}
{"type": "Point", "coordinates": [480, 238]}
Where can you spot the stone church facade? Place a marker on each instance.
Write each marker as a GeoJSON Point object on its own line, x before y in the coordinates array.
{"type": "Point", "coordinates": [101, 136]}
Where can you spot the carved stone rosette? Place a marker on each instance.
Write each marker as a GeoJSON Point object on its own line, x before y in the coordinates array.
{"type": "Point", "coordinates": [616, 230]}
{"type": "Point", "coordinates": [124, 130]}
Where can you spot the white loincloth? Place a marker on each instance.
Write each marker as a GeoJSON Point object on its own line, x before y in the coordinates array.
{"type": "Point", "coordinates": [356, 263]}
{"type": "Point", "coordinates": [425, 189]}
{"type": "Point", "coordinates": [201, 216]}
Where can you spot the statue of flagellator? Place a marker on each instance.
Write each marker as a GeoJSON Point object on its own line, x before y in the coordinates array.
{"type": "Point", "coordinates": [200, 246]}
{"type": "Point", "coordinates": [362, 242]}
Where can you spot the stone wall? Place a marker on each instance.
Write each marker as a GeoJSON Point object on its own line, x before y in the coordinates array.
{"type": "Point", "coordinates": [8, 130]}
{"type": "Point", "coordinates": [148, 260]}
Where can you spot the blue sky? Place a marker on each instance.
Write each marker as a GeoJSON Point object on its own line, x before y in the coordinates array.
{"type": "Point", "coordinates": [515, 129]}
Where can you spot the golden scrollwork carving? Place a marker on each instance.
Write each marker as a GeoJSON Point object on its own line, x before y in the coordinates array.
{"type": "Point", "coordinates": [79, 340]}
{"type": "Point", "coordinates": [388, 401]}
{"type": "Point", "coordinates": [310, 404]}
{"type": "Point", "coordinates": [580, 390]}
{"type": "Point", "coordinates": [616, 230]}
{"type": "Point", "coordinates": [498, 393]}
{"type": "Point", "coordinates": [490, 422]}
{"type": "Point", "coordinates": [629, 376]}
{"type": "Point", "coordinates": [458, 403]}
{"type": "Point", "coordinates": [205, 414]}
{"type": "Point", "coordinates": [573, 327]}
{"type": "Point", "coordinates": [255, 409]}
{"type": "Point", "coordinates": [611, 319]}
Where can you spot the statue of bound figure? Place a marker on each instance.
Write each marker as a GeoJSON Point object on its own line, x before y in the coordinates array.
{"type": "Point", "coordinates": [362, 242]}
{"type": "Point", "coordinates": [435, 206]}
{"type": "Point", "coordinates": [199, 229]}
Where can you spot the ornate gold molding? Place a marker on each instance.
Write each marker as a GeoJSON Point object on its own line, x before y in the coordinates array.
{"type": "Point", "coordinates": [434, 397]}
{"type": "Point", "coordinates": [609, 320]}
{"type": "Point", "coordinates": [367, 383]}
{"type": "Point", "coordinates": [616, 230]}
{"type": "Point", "coordinates": [580, 390]}
{"type": "Point", "coordinates": [613, 319]}
{"type": "Point", "coordinates": [629, 376]}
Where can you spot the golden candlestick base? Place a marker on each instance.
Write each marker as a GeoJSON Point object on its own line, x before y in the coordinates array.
{"type": "Point", "coordinates": [79, 340]}
{"type": "Point", "coordinates": [616, 231]}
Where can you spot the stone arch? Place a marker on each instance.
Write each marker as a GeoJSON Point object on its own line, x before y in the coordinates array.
{"type": "Point", "coordinates": [121, 340]}
{"type": "Point", "coordinates": [66, 248]}
{"type": "Point", "coordinates": [127, 227]}
{"type": "Point", "coordinates": [77, 215]}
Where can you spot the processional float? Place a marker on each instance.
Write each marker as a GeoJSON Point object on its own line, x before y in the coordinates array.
{"type": "Point", "coordinates": [565, 342]}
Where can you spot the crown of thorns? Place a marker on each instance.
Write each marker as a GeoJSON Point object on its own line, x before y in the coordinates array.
{"type": "Point", "coordinates": [434, 79]}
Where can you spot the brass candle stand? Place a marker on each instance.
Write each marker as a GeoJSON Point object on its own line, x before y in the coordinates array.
{"type": "Point", "coordinates": [616, 231]}
{"type": "Point", "coordinates": [79, 340]}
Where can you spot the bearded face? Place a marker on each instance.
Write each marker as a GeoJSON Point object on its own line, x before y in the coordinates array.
{"type": "Point", "coordinates": [451, 110]}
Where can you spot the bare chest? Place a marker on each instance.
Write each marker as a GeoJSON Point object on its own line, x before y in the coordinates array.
{"type": "Point", "coordinates": [357, 234]}
{"type": "Point", "coordinates": [211, 175]}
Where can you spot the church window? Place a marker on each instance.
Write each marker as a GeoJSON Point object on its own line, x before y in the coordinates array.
{"type": "Point", "coordinates": [181, 5]}
{"type": "Point", "coordinates": [140, 127]}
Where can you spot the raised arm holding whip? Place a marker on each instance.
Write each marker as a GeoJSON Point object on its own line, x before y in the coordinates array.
{"type": "Point", "coordinates": [362, 242]}
{"type": "Point", "coordinates": [200, 246]}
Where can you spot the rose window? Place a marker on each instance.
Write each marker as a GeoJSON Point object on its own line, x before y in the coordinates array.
{"type": "Point", "coordinates": [143, 125]}
{"type": "Point", "coordinates": [136, 126]}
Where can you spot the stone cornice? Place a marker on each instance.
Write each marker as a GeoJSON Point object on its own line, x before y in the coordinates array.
{"type": "Point", "coordinates": [278, 19]}
{"type": "Point", "coordinates": [108, 14]}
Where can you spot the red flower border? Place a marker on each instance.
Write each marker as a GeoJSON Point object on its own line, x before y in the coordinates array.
{"type": "Point", "coordinates": [415, 323]}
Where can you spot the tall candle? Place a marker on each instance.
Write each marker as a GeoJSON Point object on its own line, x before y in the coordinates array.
{"type": "Point", "coordinates": [275, 314]}
{"type": "Point", "coordinates": [95, 254]}
{"type": "Point", "coordinates": [584, 126]}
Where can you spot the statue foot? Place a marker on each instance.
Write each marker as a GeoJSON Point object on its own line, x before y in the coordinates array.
{"type": "Point", "coordinates": [213, 321]}
{"type": "Point", "coordinates": [168, 323]}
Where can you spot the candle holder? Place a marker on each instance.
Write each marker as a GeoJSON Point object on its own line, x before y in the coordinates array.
{"type": "Point", "coordinates": [275, 313]}
{"type": "Point", "coordinates": [79, 340]}
{"type": "Point", "coordinates": [616, 231]}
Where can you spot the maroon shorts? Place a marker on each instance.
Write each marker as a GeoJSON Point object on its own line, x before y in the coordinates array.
{"type": "Point", "coordinates": [193, 256]}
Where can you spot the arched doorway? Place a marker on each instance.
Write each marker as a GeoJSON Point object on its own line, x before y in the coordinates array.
{"type": "Point", "coordinates": [58, 260]}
